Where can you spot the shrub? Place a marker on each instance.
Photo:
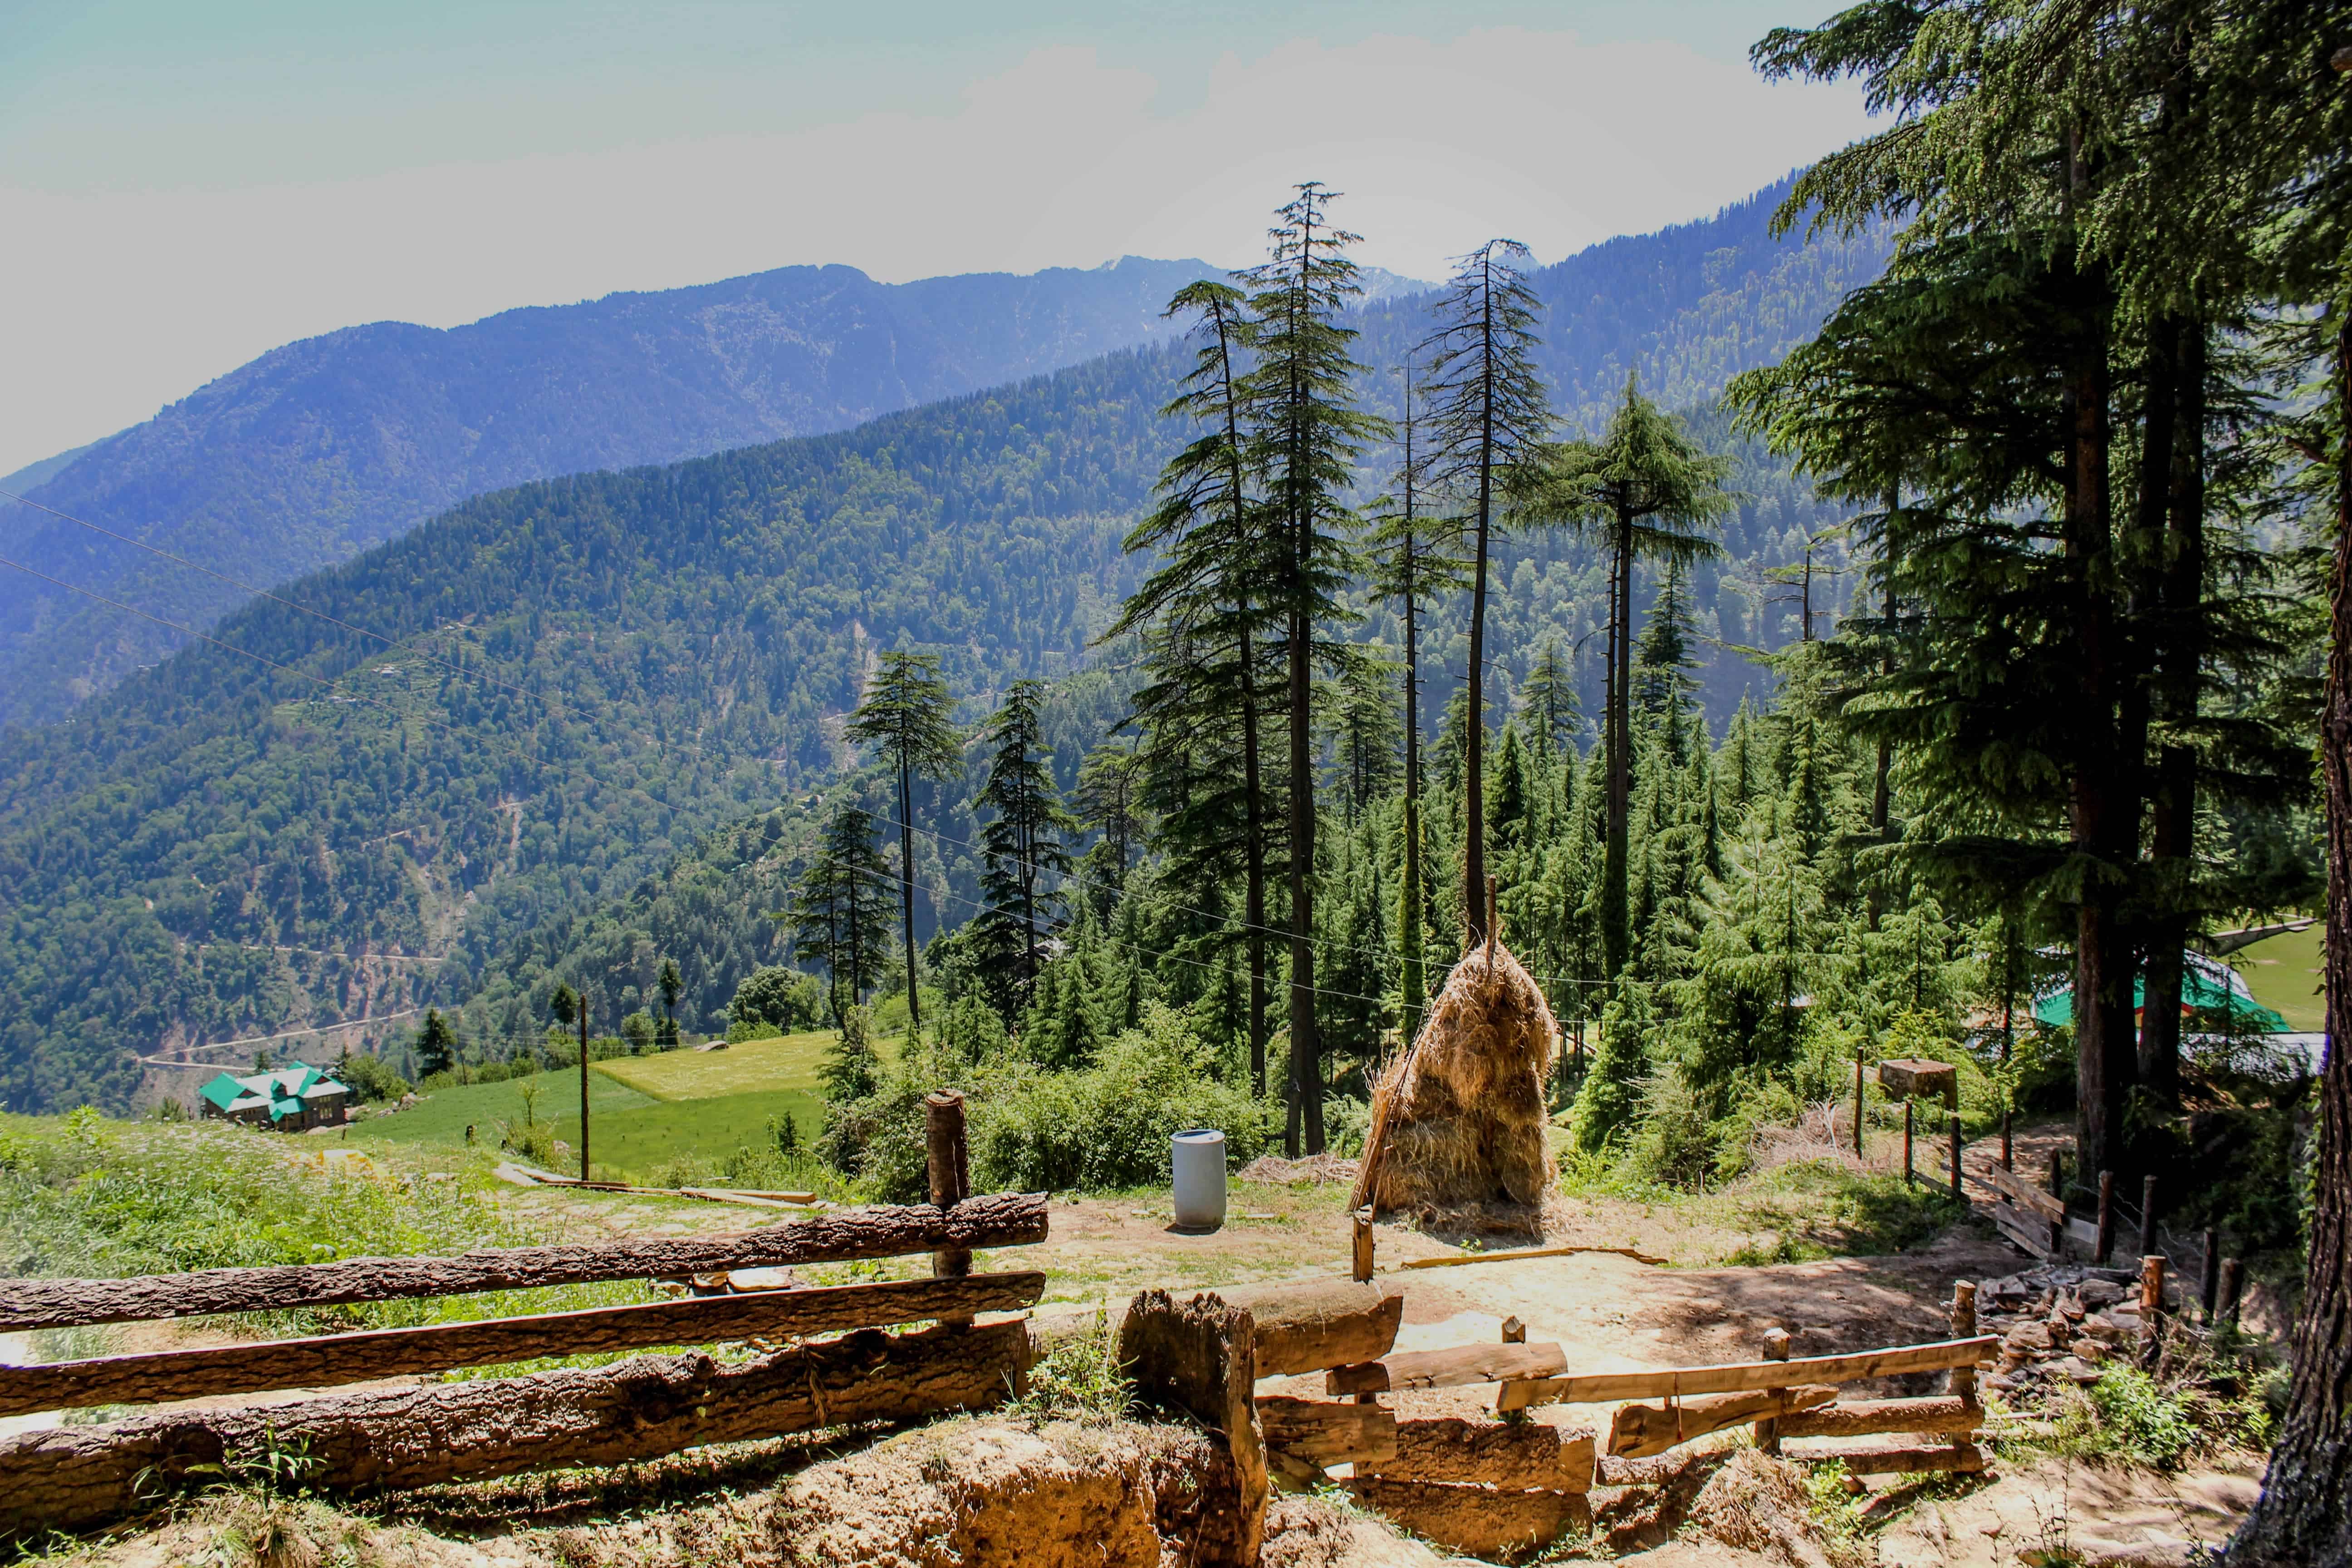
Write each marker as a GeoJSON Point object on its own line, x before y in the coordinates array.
{"type": "Point", "coordinates": [370, 1079]}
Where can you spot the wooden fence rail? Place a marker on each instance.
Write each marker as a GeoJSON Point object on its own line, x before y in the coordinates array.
{"type": "Point", "coordinates": [1004, 1219]}
{"type": "Point", "coordinates": [1609, 1387]}
{"type": "Point", "coordinates": [326, 1360]}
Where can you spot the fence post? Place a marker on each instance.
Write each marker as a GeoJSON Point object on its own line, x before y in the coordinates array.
{"type": "Point", "coordinates": [1954, 1120]}
{"type": "Point", "coordinates": [1907, 1177]}
{"type": "Point", "coordinates": [1363, 1260]}
{"type": "Point", "coordinates": [2107, 1245]}
{"type": "Point", "coordinates": [1857, 1105]}
{"type": "Point", "coordinates": [2058, 1191]}
{"type": "Point", "coordinates": [2151, 1307]}
{"type": "Point", "coordinates": [951, 1174]}
{"type": "Point", "coordinates": [1964, 1327]}
{"type": "Point", "coordinates": [2208, 1280]}
{"type": "Point", "coordinates": [2233, 1285]}
{"type": "Point", "coordinates": [1768, 1431]}
{"type": "Point", "coordinates": [2006, 1162]}
{"type": "Point", "coordinates": [2147, 1215]}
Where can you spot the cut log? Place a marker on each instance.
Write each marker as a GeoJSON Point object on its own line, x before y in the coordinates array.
{"type": "Point", "coordinates": [1609, 1387]}
{"type": "Point", "coordinates": [1521, 1253]}
{"type": "Point", "coordinates": [2027, 1196]}
{"type": "Point", "coordinates": [1481, 1521]}
{"type": "Point", "coordinates": [1512, 1455]}
{"type": "Point", "coordinates": [1865, 1417]}
{"type": "Point", "coordinates": [1319, 1323]}
{"type": "Point", "coordinates": [1328, 1432]}
{"type": "Point", "coordinates": [1964, 1458]}
{"type": "Point", "coordinates": [1003, 1219]}
{"type": "Point", "coordinates": [2030, 1233]}
{"type": "Point", "coordinates": [1201, 1357]}
{"type": "Point", "coordinates": [74, 1478]}
{"type": "Point", "coordinates": [331, 1359]}
{"type": "Point", "coordinates": [1639, 1431]}
{"type": "Point", "coordinates": [1915, 1078]}
{"type": "Point", "coordinates": [1453, 1368]}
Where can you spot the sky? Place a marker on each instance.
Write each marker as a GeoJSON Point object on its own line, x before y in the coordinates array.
{"type": "Point", "coordinates": [184, 187]}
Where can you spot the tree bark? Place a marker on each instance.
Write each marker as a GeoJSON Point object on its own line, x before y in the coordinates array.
{"type": "Point", "coordinates": [2180, 677]}
{"type": "Point", "coordinates": [326, 1359]}
{"type": "Point", "coordinates": [907, 894]}
{"type": "Point", "coordinates": [2305, 1514]}
{"type": "Point", "coordinates": [1305, 1045]}
{"type": "Point", "coordinates": [1200, 1357]}
{"type": "Point", "coordinates": [1616, 928]}
{"type": "Point", "coordinates": [1000, 1220]}
{"type": "Point", "coordinates": [75, 1477]}
{"type": "Point", "coordinates": [1252, 867]}
{"type": "Point", "coordinates": [1319, 1323]}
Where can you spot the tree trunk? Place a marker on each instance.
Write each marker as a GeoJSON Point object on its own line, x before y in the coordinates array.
{"type": "Point", "coordinates": [74, 1478]}
{"type": "Point", "coordinates": [1616, 919]}
{"type": "Point", "coordinates": [1253, 867]}
{"type": "Point", "coordinates": [997, 1219]}
{"type": "Point", "coordinates": [907, 896]}
{"type": "Point", "coordinates": [2102, 809]}
{"type": "Point", "coordinates": [2305, 1514]}
{"type": "Point", "coordinates": [1411, 985]}
{"type": "Point", "coordinates": [1306, 1048]}
{"type": "Point", "coordinates": [2179, 675]}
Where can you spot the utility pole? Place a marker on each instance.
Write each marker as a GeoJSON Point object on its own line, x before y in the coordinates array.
{"type": "Point", "coordinates": [584, 1085]}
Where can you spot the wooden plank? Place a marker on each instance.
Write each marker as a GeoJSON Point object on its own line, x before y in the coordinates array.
{"type": "Point", "coordinates": [75, 1478]}
{"type": "Point", "coordinates": [2026, 1195]}
{"type": "Point", "coordinates": [326, 1360]}
{"type": "Point", "coordinates": [1521, 1254]}
{"type": "Point", "coordinates": [1328, 1432]}
{"type": "Point", "coordinates": [1609, 1387]}
{"type": "Point", "coordinates": [1639, 1431]}
{"type": "Point", "coordinates": [1868, 1418]}
{"type": "Point", "coordinates": [1310, 1325]}
{"type": "Point", "coordinates": [2016, 1226]}
{"type": "Point", "coordinates": [1002, 1219]}
{"type": "Point", "coordinates": [1964, 1458]}
{"type": "Point", "coordinates": [1455, 1368]}
{"type": "Point", "coordinates": [1513, 1455]}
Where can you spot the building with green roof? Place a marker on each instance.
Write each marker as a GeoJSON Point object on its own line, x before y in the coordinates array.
{"type": "Point", "coordinates": [292, 1099]}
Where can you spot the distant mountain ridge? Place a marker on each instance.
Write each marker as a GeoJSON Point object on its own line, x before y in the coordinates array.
{"type": "Point", "coordinates": [590, 676]}
{"type": "Point", "coordinates": [324, 447]}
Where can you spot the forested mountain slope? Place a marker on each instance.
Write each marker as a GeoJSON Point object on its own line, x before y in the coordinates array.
{"type": "Point", "coordinates": [321, 448]}
{"type": "Point", "coordinates": [586, 677]}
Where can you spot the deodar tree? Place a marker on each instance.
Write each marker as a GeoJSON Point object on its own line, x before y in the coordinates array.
{"type": "Point", "coordinates": [1304, 433]}
{"type": "Point", "coordinates": [908, 715]}
{"type": "Point", "coordinates": [1027, 837]}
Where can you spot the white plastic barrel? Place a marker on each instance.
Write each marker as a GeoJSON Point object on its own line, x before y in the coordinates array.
{"type": "Point", "coordinates": [1199, 1162]}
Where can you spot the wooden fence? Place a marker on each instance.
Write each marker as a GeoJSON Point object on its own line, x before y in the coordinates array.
{"type": "Point", "coordinates": [74, 1478]}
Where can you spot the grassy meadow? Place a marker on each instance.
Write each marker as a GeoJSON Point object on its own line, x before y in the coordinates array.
{"type": "Point", "coordinates": [2282, 972]}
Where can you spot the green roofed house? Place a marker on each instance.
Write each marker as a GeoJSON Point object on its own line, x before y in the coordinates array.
{"type": "Point", "coordinates": [287, 1099]}
{"type": "Point", "coordinates": [2210, 993]}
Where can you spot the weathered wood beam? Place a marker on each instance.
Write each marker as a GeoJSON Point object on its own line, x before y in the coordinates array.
{"type": "Point", "coordinates": [1513, 1455]}
{"type": "Point", "coordinates": [1521, 1253]}
{"type": "Point", "coordinates": [2025, 1196]}
{"type": "Point", "coordinates": [1453, 1368]}
{"type": "Point", "coordinates": [1609, 1387]}
{"type": "Point", "coordinates": [1200, 1356]}
{"type": "Point", "coordinates": [1307, 1326]}
{"type": "Point", "coordinates": [328, 1360]}
{"type": "Point", "coordinates": [1960, 1457]}
{"type": "Point", "coordinates": [74, 1478]}
{"type": "Point", "coordinates": [1639, 1431]}
{"type": "Point", "coordinates": [1004, 1219]}
{"type": "Point", "coordinates": [1479, 1520]}
{"type": "Point", "coordinates": [2030, 1233]}
{"type": "Point", "coordinates": [1866, 1418]}
{"type": "Point", "coordinates": [1328, 1432]}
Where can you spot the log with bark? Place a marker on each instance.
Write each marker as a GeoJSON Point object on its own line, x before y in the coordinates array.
{"type": "Point", "coordinates": [1513, 1455]}
{"type": "Point", "coordinates": [1927, 1458]}
{"type": "Point", "coordinates": [1200, 1356]}
{"type": "Point", "coordinates": [1865, 1417]}
{"type": "Point", "coordinates": [1639, 1431]}
{"type": "Point", "coordinates": [1319, 1323]}
{"type": "Point", "coordinates": [1482, 1520]}
{"type": "Point", "coordinates": [328, 1360]}
{"type": "Point", "coordinates": [1328, 1432]}
{"type": "Point", "coordinates": [73, 1479]}
{"type": "Point", "coordinates": [1003, 1219]}
{"type": "Point", "coordinates": [1454, 1368]}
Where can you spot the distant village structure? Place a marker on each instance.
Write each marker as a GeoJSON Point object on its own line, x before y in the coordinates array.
{"type": "Point", "coordinates": [292, 1099]}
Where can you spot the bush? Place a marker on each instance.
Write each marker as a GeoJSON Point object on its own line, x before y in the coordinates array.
{"type": "Point", "coordinates": [369, 1078]}
{"type": "Point", "coordinates": [782, 998]}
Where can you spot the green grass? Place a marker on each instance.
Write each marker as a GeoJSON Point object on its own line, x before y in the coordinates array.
{"type": "Point", "coordinates": [650, 1134]}
{"type": "Point", "coordinates": [442, 1117]}
{"type": "Point", "coordinates": [2282, 972]}
{"type": "Point", "coordinates": [751, 1066]}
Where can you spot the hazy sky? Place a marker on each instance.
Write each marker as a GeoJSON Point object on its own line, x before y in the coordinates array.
{"type": "Point", "coordinates": [185, 186]}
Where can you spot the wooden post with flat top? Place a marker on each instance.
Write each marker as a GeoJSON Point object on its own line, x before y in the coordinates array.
{"type": "Point", "coordinates": [1964, 1327]}
{"type": "Point", "coordinates": [2147, 1215]}
{"type": "Point", "coordinates": [2151, 1307]}
{"type": "Point", "coordinates": [2007, 1148]}
{"type": "Point", "coordinates": [1363, 1253]}
{"type": "Point", "coordinates": [2058, 1191]}
{"type": "Point", "coordinates": [1768, 1431]}
{"type": "Point", "coordinates": [1908, 1176]}
{"type": "Point", "coordinates": [950, 1175]}
{"type": "Point", "coordinates": [2234, 1285]}
{"type": "Point", "coordinates": [1857, 1105]}
{"type": "Point", "coordinates": [2105, 1248]}
{"type": "Point", "coordinates": [1954, 1120]}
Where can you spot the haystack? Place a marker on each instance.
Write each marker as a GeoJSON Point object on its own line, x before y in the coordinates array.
{"type": "Point", "coordinates": [1458, 1117]}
